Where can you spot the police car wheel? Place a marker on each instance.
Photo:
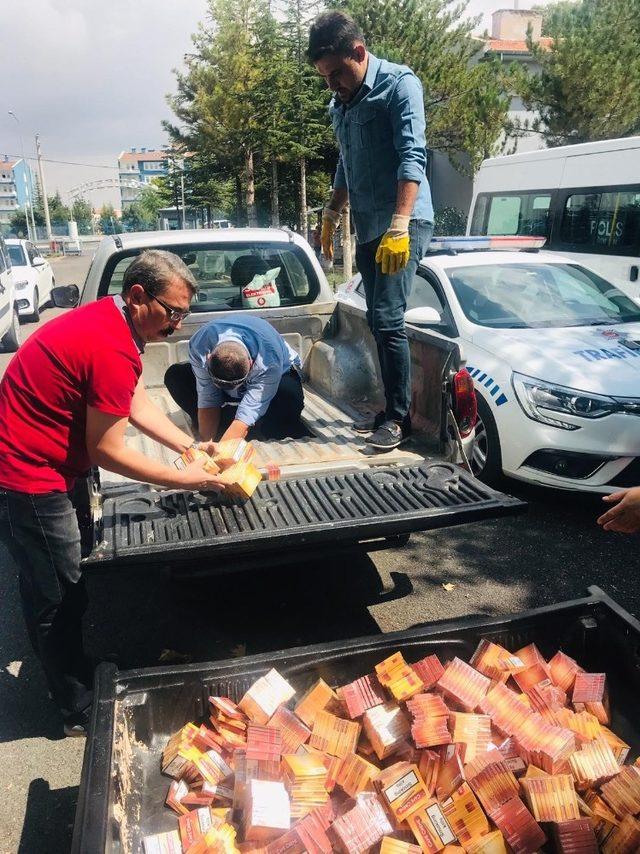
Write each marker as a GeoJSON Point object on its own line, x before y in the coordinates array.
{"type": "Point", "coordinates": [486, 457]}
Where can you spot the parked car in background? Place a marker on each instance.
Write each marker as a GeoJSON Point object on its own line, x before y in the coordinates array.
{"type": "Point", "coordinates": [33, 278]}
{"type": "Point", "coordinates": [584, 199]}
{"type": "Point", "coordinates": [9, 320]}
{"type": "Point", "coordinates": [554, 352]}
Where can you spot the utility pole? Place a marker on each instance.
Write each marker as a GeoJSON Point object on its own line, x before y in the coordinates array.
{"type": "Point", "coordinates": [28, 185]}
{"type": "Point", "coordinates": [43, 190]}
{"type": "Point", "coordinates": [180, 164]}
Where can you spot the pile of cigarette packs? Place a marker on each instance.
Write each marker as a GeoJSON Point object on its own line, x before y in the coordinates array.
{"type": "Point", "coordinates": [234, 464]}
{"type": "Point", "coordinates": [505, 753]}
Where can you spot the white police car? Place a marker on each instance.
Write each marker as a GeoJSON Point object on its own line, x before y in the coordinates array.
{"type": "Point", "coordinates": [554, 351]}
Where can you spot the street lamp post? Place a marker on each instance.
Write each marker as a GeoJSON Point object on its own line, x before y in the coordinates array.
{"type": "Point", "coordinates": [28, 185]}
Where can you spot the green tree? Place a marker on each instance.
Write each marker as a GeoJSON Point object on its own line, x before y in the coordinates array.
{"type": "Point", "coordinates": [560, 13]}
{"type": "Point", "coordinates": [108, 221]}
{"type": "Point", "coordinates": [82, 213]}
{"type": "Point", "coordinates": [215, 97]}
{"type": "Point", "coordinates": [59, 213]}
{"type": "Point", "coordinates": [588, 87]}
{"type": "Point", "coordinates": [466, 101]}
{"type": "Point", "coordinates": [18, 223]}
{"type": "Point", "coordinates": [308, 122]}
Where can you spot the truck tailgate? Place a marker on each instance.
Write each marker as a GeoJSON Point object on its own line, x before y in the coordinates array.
{"type": "Point", "coordinates": [142, 525]}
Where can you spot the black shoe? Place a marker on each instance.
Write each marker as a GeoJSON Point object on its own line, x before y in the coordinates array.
{"type": "Point", "coordinates": [368, 425]}
{"type": "Point", "coordinates": [76, 726]}
{"type": "Point", "coordinates": [388, 436]}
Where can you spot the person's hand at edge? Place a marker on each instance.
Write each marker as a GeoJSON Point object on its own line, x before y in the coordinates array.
{"type": "Point", "coordinates": [624, 516]}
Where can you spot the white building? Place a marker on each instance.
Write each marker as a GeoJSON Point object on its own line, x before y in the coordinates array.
{"type": "Point", "coordinates": [142, 166]}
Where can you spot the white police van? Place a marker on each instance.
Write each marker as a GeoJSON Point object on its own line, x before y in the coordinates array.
{"type": "Point", "coordinates": [584, 199]}
{"type": "Point", "coordinates": [554, 352]}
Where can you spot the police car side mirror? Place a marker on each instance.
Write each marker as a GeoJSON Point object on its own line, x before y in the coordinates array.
{"type": "Point", "coordinates": [423, 316]}
{"type": "Point", "coordinates": [65, 296]}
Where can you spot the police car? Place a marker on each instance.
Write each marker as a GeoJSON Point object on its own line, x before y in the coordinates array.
{"type": "Point", "coordinates": [554, 352]}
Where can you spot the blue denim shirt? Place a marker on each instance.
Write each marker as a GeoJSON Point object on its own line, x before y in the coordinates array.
{"type": "Point", "coordinates": [271, 356]}
{"type": "Point", "coordinates": [381, 135]}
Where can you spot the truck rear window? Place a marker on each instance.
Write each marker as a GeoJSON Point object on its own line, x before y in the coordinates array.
{"type": "Point", "coordinates": [224, 272]}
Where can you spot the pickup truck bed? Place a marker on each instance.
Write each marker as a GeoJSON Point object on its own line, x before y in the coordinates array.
{"type": "Point", "coordinates": [335, 491]}
{"type": "Point", "coordinates": [122, 790]}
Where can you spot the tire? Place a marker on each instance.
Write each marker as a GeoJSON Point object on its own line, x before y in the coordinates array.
{"type": "Point", "coordinates": [486, 457]}
{"type": "Point", "coordinates": [11, 338]}
{"type": "Point", "coordinates": [48, 303]}
{"type": "Point", "coordinates": [35, 316]}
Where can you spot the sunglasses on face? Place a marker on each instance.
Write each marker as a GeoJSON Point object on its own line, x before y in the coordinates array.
{"type": "Point", "coordinates": [175, 315]}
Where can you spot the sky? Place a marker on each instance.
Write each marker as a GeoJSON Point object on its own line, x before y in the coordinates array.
{"type": "Point", "coordinates": [91, 76]}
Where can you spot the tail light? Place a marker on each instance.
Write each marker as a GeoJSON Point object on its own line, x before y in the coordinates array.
{"type": "Point", "coordinates": [465, 405]}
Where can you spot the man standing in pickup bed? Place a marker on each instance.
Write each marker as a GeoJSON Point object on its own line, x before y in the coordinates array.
{"type": "Point", "coordinates": [66, 400]}
{"type": "Point", "coordinates": [377, 113]}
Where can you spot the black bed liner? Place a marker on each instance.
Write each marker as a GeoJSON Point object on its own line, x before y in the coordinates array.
{"type": "Point", "coordinates": [147, 705]}
{"type": "Point", "coordinates": [324, 510]}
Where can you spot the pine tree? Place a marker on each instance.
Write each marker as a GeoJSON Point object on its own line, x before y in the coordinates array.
{"type": "Point", "coordinates": [308, 99]}
{"type": "Point", "coordinates": [589, 84]}
{"type": "Point", "coordinates": [214, 101]}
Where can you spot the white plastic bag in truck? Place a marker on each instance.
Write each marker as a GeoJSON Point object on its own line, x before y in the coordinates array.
{"type": "Point", "coordinates": [262, 290]}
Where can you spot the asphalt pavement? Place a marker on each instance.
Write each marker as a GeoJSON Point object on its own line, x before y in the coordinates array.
{"type": "Point", "coordinates": [551, 553]}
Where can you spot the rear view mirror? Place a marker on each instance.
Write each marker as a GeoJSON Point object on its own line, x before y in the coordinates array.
{"type": "Point", "coordinates": [65, 296]}
{"type": "Point", "coordinates": [422, 316]}
{"type": "Point", "coordinates": [38, 261]}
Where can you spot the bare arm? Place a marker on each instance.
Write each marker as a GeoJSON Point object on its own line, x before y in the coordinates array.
{"type": "Point", "coordinates": [406, 197]}
{"type": "Point", "coordinates": [236, 430]}
{"type": "Point", "coordinates": [152, 421]}
{"type": "Point", "coordinates": [208, 423]}
{"type": "Point", "coordinates": [338, 199]}
{"type": "Point", "coordinates": [106, 447]}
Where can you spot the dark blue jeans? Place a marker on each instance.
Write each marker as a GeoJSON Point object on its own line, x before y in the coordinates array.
{"type": "Point", "coordinates": [42, 535]}
{"type": "Point", "coordinates": [386, 297]}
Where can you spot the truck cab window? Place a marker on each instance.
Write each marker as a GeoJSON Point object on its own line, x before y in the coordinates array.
{"type": "Point", "coordinates": [224, 272]}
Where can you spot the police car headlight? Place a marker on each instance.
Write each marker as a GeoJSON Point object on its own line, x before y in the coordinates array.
{"type": "Point", "coordinates": [20, 286]}
{"type": "Point", "coordinates": [540, 400]}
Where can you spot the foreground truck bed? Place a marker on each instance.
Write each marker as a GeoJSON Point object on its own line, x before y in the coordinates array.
{"type": "Point", "coordinates": [122, 792]}
{"type": "Point", "coordinates": [334, 492]}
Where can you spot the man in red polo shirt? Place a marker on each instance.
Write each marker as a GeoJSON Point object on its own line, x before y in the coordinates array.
{"type": "Point", "coordinates": [66, 400]}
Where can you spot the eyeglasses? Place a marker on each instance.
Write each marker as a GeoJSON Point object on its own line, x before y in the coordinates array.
{"type": "Point", "coordinates": [229, 384]}
{"type": "Point", "coordinates": [175, 314]}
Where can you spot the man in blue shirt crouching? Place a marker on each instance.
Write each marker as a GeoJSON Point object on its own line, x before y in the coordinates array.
{"type": "Point", "coordinates": [241, 373]}
{"type": "Point", "coordinates": [377, 113]}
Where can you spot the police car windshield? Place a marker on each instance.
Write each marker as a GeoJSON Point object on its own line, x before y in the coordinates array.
{"type": "Point", "coordinates": [527, 296]}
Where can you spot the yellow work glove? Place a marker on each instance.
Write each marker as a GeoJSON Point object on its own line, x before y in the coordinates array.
{"type": "Point", "coordinates": [393, 249]}
{"type": "Point", "coordinates": [330, 221]}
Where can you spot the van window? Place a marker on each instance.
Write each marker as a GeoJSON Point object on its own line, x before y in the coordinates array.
{"type": "Point", "coordinates": [602, 220]}
{"type": "Point", "coordinates": [525, 214]}
{"type": "Point", "coordinates": [223, 270]}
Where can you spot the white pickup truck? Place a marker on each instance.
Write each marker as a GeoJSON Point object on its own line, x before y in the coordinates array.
{"type": "Point", "coordinates": [334, 491]}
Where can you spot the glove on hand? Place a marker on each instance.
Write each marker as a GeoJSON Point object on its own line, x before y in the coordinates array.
{"type": "Point", "coordinates": [393, 249]}
{"type": "Point", "coordinates": [330, 221]}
